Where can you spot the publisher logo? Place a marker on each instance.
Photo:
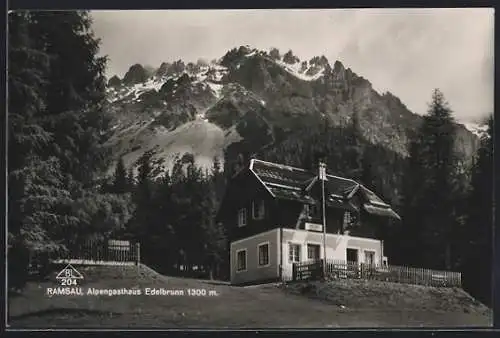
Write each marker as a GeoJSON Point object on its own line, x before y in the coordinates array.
{"type": "Point", "coordinates": [69, 276]}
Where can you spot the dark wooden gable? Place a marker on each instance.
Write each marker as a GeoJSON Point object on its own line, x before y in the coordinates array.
{"type": "Point", "coordinates": [242, 188]}
{"type": "Point", "coordinates": [373, 205]}
{"type": "Point", "coordinates": [286, 189]}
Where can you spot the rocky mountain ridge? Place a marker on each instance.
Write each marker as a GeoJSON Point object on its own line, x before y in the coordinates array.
{"type": "Point", "coordinates": [249, 94]}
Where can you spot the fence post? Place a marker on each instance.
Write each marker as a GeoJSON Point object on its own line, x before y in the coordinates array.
{"type": "Point", "coordinates": [137, 253]}
{"type": "Point", "coordinates": [294, 271]}
{"type": "Point", "coordinates": [106, 249]}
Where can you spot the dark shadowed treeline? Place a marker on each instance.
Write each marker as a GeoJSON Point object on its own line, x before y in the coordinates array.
{"type": "Point", "coordinates": [174, 218]}
{"type": "Point", "coordinates": [56, 132]}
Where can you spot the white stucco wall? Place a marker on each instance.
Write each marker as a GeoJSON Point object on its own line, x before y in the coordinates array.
{"type": "Point", "coordinates": [336, 250]}
{"type": "Point", "coordinates": [254, 272]}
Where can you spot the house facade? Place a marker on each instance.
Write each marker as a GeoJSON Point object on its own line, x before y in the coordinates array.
{"type": "Point", "coordinates": [273, 214]}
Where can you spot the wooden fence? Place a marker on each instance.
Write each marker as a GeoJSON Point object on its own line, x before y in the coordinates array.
{"type": "Point", "coordinates": [110, 250]}
{"type": "Point", "coordinates": [308, 270]}
{"type": "Point", "coordinates": [388, 273]}
{"type": "Point", "coordinates": [92, 252]}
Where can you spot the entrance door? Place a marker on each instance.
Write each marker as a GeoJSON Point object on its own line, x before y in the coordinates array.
{"type": "Point", "coordinates": [313, 252]}
{"type": "Point", "coordinates": [369, 258]}
{"type": "Point", "coordinates": [352, 262]}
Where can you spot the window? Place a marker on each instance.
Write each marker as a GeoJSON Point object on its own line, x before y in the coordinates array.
{"type": "Point", "coordinates": [242, 217]}
{"type": "Point", "coordinates": [347, 219]}
{"type": "Point", "coordinates": [263, 254]}
{"type": "Point", "coordinates": [294, 253]}
{"type": "Point", "coordinates": [369, 257]}
{"type": "Point", "coordinates": [313, 251]}
{"type": "Point", "coordinates": [352, 255]}
{"type": "Point", "coordinates": [241, 260]}
{"type": "Point", "coordinates": [258, 210]}
{"type": "Point", "coordinates": [351, 219]}
{"type": "Point", "coordinates": [312, 211]}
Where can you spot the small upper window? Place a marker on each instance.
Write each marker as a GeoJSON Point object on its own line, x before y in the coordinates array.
{"type": "Point", "coordinates": [312, 210]}
{"type": "Point", "coordinates": [347, 219]}
{"type": "Point", "coordinates": [242, 217]}
{"type": "Point", "coordinates": [258, 210]}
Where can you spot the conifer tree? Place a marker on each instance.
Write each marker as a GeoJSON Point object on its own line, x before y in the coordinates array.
{"type": "Point", "coordinates": [120, 179]}
{"type": "Point", "coordinates": [143, 196]}
{"type": "Point", "coordinates": [478, 234]}
{"type": "Point", "coordinates": [214, 234]}
{"type": "Point", "coordinates": [217, 177]}
{"type": "Point", "coordinates": [432, 177]}
{"type": "Point", "coordinates": [355, 159]}
{"type": "Point", "coordinates": [130, 179]}
{"type": "Point", "coordinates": [39, 185]}
{"type": "Point", "coordinates": [75, 94]}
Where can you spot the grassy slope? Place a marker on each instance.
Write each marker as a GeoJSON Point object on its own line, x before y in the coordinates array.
{"type": "Point", "coordinates": [238, 307]}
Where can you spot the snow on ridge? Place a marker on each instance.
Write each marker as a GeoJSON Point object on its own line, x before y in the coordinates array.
{"type": "Point", "coordinates": [218, 67]}
{"type": "Point", "coordinates": [294, 69]}
{"type": "Point", "coordinates": [200, 77]}
{"type": "Point", "coordinates": [219, 76]}
{"type": "Point", "coordinates": [136, 90]}
{"type": "Point", "coordinates": [252, 53]}
{"type": "Point", "coordinates": [216, 89]}
{"type": "Point", "coordinates": [477, 129]}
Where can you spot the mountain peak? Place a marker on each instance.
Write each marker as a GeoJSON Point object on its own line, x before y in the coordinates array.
{"type": "Point", "coordinates": [135, 74]}
{"type": "Point", "coordinates": [338, 66]}
{"type": "Point", "coordinates": [114, 81]}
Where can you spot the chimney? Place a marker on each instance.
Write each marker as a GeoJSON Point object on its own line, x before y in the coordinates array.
{"type": "Point", "coordinates": [321, 170]}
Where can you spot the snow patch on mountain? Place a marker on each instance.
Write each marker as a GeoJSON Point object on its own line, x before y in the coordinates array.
{"type": "Point", "coordinates": [295, 70]}
{"type": "Point", "coordinates": [478, 129]}
{"type": "Point", "coordinates": [216, 89]}
{"type": "Point", "coordinates": [133, 92]}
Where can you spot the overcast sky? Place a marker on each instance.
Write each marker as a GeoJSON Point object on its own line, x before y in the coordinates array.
{"type": "Point", "coordinates": [407, 52]}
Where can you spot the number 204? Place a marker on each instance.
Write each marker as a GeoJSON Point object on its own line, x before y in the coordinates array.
{"type": "Point", "coordinates": [68, 281]}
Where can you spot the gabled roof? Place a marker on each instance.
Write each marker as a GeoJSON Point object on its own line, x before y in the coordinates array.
{"type": "Point", "coordinates": [278, 175]}
{"type": "Point", "coordinates": [286, 182]}
{"type": "Point", "coordinates": [282, 177]}
{"type": "Point", "coordinates": [273, 174]}
{"type": "Point", "coordinates": [296, 184]}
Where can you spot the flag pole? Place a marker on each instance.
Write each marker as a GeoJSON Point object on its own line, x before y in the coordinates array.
{"type": "Point", "coordinates": [323, 178]}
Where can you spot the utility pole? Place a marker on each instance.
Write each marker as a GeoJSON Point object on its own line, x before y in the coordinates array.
{"type": "Point", "coordinates": [322, 177]}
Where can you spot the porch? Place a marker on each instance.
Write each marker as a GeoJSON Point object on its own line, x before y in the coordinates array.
{"type": "Point", "coordinates": [306, 247]}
